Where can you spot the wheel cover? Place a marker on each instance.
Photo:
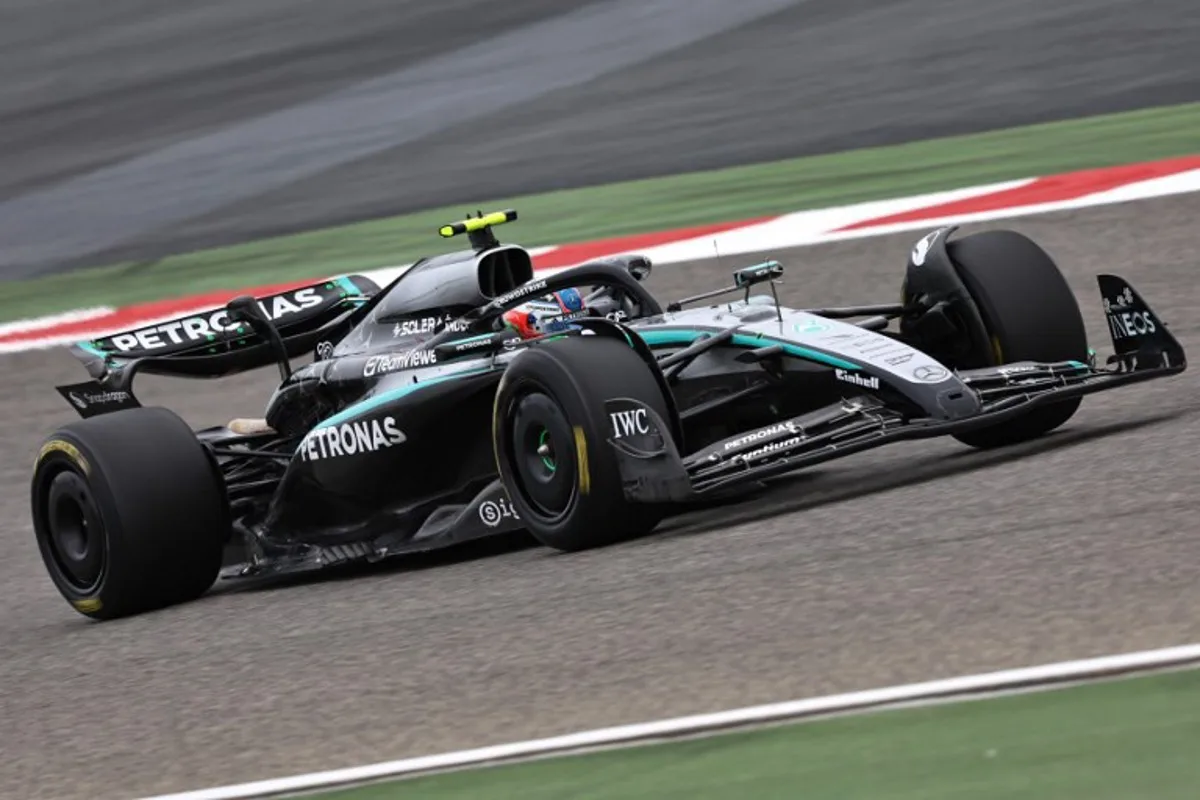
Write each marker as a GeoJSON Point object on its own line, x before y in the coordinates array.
{"type": "Point", "coordinates": [541, 456]}
{"type": "Point", "coordinates": [74, 533]}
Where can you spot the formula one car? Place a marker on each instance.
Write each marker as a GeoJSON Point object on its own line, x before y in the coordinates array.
{"type": "Point", "coordinates": [471, 397]}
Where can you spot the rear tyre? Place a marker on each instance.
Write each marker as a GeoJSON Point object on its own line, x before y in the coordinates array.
{"type": "Point", "coordinates": [129, 513]}
{"type": "Point", "coordinates": [1030, 314]}
{"type": "Point", "coordinates": [550, 432]}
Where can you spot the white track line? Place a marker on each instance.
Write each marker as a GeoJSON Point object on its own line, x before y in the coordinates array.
{"type": "Point", "coordinates": [54, 320]}
{"type": "Point", "coordinates": [824, 226]}
{"type": "Point", "coordinates": [798, 229]}
{"type": "Point", "coordinates": [987, 683]}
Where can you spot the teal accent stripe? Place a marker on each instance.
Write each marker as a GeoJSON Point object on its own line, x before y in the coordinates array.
{"type": "Point", "coordinates": [1078, 365]}
{"type": "Point", "coordinates": [471, 338]}
{"type": "Point", "coordinates": [348, 285]}
{"type": "Point", "coordinates": [371, 403]}
{"type": "Point", "coordinates": [651, 337]}
{"type": "Point", "coordinates": [685, 337]}
{"type": "Point", "coordinates": [88, 347]}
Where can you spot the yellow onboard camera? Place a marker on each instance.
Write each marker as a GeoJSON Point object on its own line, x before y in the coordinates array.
{"type": "Point", "coordinates": [479, 223]}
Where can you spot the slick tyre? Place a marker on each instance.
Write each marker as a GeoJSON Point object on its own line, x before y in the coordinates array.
{"type": "Point", "coordinates": [1030, 314]}
{"type": "Point", "coordinates": [551, 431]}
{"type": "Point", "coordinates": [129, 513]}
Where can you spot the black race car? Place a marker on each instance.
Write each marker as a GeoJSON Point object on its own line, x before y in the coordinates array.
{"type": "Point", "coordinates": [472, 397]}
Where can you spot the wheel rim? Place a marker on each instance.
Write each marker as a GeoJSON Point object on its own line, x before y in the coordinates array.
{"type": "Point", "coordinates": [74, 534]}
{"type": "Point", "coordinates": [543, 461]}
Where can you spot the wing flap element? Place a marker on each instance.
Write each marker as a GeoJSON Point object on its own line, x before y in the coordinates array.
{"type": "Point", "coordinates": [1139, 334]}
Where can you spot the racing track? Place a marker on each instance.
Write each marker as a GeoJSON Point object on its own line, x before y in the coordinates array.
{"type": "Point", "coordinates": [917, 561]}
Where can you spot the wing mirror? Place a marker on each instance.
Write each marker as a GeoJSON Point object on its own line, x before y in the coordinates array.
{"type": "Point", "coordinates": [758, 273]}
{"type": "Point", "coordinates": [638, 266]}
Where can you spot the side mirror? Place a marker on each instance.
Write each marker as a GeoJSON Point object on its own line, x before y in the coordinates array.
{"type": "Point", "coordinates": [758, 273]}
{"type": "Point", "coordinates": [639, 266]}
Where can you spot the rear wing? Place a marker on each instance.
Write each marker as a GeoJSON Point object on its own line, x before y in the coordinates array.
{"type": "Point", "coordinates": [207, 344]}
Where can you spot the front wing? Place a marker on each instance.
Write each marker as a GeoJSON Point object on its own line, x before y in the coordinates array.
{"type": "Point", "coordinates": [861, 424]}
{"type": "Point", "coordinates": [1144, 350]}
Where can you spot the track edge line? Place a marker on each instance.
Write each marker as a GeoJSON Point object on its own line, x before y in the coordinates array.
{"type": "Point", "coordinates": [963, 687]}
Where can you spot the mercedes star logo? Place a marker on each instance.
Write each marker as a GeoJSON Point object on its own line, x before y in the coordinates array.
{"type": "Point", "coordinates": [930, 373]}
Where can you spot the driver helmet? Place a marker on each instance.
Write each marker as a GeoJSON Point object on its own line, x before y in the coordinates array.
{"type": "Point", "coordinates": [546, 314]}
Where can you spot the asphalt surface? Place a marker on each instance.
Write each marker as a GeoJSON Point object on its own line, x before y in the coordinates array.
{"type": "Point", "coordinates": [130, 129]}
{"type": "Point", "coordinates": [916, 561]}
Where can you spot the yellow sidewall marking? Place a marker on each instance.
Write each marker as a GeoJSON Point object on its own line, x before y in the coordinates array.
{"type": "Point", "coordinates": [68, 449]}
{"type": "Point", "coordinates": [581, 457]}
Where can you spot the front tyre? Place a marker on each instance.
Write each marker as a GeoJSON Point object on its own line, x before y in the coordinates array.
{"type": "Point", "coordinates": [129, 513]}
{"type": "Point", "coordinates": [551, 431]}
{"type": "Point", "coordinates": [1030, 314]}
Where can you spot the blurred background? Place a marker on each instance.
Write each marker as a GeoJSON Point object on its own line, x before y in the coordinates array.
{"type": "Point", "coordinates": [131, 129]}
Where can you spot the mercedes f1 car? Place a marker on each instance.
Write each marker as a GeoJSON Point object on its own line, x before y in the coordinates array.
{"type": "Point", "coordinates": [472, 397]}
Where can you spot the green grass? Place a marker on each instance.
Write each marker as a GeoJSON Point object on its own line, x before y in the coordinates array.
{"type": "Point", "coordinates": [1134, 738]}
{"type": "Point", "coordinates": [638, 206]}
